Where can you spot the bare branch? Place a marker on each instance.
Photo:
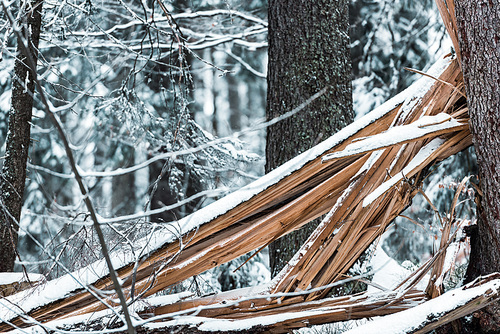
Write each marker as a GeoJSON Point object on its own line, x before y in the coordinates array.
{"type": "Point", "coordinates": [57, 123]}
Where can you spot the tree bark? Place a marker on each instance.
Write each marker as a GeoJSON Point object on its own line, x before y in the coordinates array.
{"type": "Point", "coordinates": [123, 199]}
{"type": "Point", "coordinates": [308, 50]}
{"type": "Point", "coordinates": [13, 175]}
{"type": "Point", "coordinates": [479, 37]}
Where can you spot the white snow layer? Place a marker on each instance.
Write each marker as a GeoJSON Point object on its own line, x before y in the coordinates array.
{"type": "Point", "coordinates": [398, 134]}
{"type": "Point", "coordinates": [9, 278]}
{"type": "Point", "coordinates": [412, 319]}
{"type": "Point", "coordinates": [387, 272]}
{"type": "Point", "coordinates": [64, 286]}
{"type": "Point", "coordinates": [417, 160]}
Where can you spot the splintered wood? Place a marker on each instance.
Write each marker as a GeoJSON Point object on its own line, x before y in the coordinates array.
{"type": "Point", "coordinates": [361, 183]}
{"type": "Point", "coordinates": [327, 255]}
{"type": "Point", "coordinates": [359, 180]}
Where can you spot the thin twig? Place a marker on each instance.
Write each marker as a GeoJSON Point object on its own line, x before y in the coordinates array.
{"type": "Point", "coordinates": [434, 78]}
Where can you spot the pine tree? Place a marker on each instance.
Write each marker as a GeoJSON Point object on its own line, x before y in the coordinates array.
{"type": "Point", "coordinates": [308, 51]}
{"type": "Point", "coordinates": [479, 36]}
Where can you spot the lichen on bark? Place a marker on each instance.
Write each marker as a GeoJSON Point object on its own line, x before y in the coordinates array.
{"type": "Point", "coordinates": [308, 51]}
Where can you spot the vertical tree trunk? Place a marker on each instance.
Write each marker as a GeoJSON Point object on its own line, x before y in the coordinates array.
{"type": "Point", "coordinates": [479, 37]}
{"type": "Point", "coordinates": [13, 174]}
{"type": "Point", "coordinates": [123, 199]}
{"type": "Point", "coordinates": [233, 99]}
{"type": "Point", "coordinates": [308, 50]}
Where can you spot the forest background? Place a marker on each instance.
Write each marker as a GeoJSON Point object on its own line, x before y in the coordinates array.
{"type": "Point", "coordinates": [143, 95]}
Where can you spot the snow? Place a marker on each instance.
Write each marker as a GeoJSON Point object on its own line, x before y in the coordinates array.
{"type": "Point", "coordinates": [5, 99]}
{"type": "Point", "coordinates": [421, 156]}
{"type": "Point", "coordinates": [449, 262]}
{"type": "Point", "coordinates": [414, 318]}
{"type": "Point", "coordinates": [398, 134]}
{"type": "Point", "coordinates": [164, 300]}
{"type": "Point", "coordinates": [209, 324]}
{"type": "Point", "coordinates": [387, 272]}
{"type": "Point", "coordinates": [366, 97]}
{"type": "Point", "coordinates": [8, 278]}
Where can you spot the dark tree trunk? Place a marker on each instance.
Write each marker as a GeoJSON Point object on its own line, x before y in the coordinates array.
{"type": "Point", "coordinates": [13, 174]}
{"type": "Point", "coordinates": [479, 36]}
{"type": "Point", "coordinates": [123, 199]}
{"type": "Point", "coordinates": [233, 97]}
{"type": "Point", "coordinates": [308, 51]}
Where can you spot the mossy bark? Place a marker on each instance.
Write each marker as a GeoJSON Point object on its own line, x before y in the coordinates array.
{"type": "Point", "coordinates": [13, 175]}
{"type": "Point", "coordinates": [479, 36]}
{"type": "Point", "coordinates": [308, 51]}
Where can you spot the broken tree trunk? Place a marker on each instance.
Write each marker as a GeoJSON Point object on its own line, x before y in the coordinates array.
{"type": "Point", "coordinates": [299, 191]}
{"type": "Point", "coordinates": [362, 178]}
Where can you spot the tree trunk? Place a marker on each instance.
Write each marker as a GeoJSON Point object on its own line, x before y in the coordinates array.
{"type": "Point", "coordinates": [123, 198]}
{"type": "Point", "coordinates": [308, 51]}
{"type": "Point", "coordinates": [13, 174]}
{"type": "Point", "coordinates": [479, 37]}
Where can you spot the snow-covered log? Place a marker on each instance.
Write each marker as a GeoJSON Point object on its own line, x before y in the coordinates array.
{"type": "Point", "coordinates": [405, 315]}
{"type": "Point", "coordinates": [436, 312]}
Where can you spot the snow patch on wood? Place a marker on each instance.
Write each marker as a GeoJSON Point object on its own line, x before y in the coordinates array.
{"type": "Point", "coordinates": [412, 319]}
{"type": "Point", "coordinates": [398, 134]}
{"type": "Point", "coordinates": [419, 159]}
{"type": "Point", "coordinates": [9, 278]}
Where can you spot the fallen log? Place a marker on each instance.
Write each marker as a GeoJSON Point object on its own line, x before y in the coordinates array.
{"type": "Point", "coordinates": [411, 314]}
{"type": "Point", "coordinates": [439, 311]}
